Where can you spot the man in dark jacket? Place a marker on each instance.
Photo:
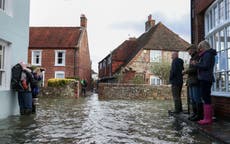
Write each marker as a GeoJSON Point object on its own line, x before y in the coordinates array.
{"type": "Point", "coordinates": [176, 79]}
{"type": "Point", "coordinates": [193, 85]}
{"type": "Point", "coordinates": [205, 75]}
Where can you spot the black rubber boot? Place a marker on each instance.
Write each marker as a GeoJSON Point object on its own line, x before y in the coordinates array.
{"type": "Point", "coordinates": [199, 113]}
{"type": "Point", "coordinates": [28, 111]}
{"type": "Point", "coordinates": [22, 112]}
{"type": "Point", "coordinates": [33, 108]}
{"type": "Point", "coordinates": [194, 110]}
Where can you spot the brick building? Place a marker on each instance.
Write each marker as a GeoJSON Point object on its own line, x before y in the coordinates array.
{"type": "Point", "coordinates": [210, 21]}
{"type": "Point", "coordinates": [63, 51]}
{"type": "Point", "coordinates": [133, 57]}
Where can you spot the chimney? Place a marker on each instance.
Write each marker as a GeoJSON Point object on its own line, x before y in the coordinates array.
{"type": "Point", "coordinates": [83, 21]}
{"type": "Point", "coordinates": [150, 23]}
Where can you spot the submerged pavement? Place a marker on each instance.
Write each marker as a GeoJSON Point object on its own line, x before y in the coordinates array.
{"type": "Point", "coordinates": [218, 131]}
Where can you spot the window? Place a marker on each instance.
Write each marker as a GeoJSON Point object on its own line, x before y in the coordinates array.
{"type": "Point", "coordinates": [59, 74]}
{"type": "Point", "coordinates": [228, 9]}
{"type": "Point", "coordinates": [2, 71]}
{"type": "Point", "coordinates": [36, 57]}
{"type": "Point", "coordinates": [155, 56]}
{"type": "Point", "coordinates": [221, 11]}
{"type": "Point", "coordinates": [60, 58]}
{"type": "Point", "coordinates": [185, 56]}
{"type": "Point", "coordinates": [155, 80]}
{"type": "Point", "coordinates": [219, 38]}
{"type": "Point", "coordinates": [2, 4]}
{"type": "Point", "coordinates": [216, 17]}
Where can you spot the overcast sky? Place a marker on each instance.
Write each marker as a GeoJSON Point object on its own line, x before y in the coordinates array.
{"type": "Point", "coordinates": [110, 22]}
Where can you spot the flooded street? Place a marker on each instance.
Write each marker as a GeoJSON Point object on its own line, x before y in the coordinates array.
{"type": "Point", "coordinates": [88, 120]}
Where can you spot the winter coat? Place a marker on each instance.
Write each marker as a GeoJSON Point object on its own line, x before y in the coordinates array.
{"type": "Point", "coordinates": [192, 70]}
{"type": "Point", "coordinates": [206, 65]}
{"type": "Point", "coordinates": [176, 77]}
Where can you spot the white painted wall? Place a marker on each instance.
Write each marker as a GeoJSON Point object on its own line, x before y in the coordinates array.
{"type": "Point", "coordinates": [14, 31]}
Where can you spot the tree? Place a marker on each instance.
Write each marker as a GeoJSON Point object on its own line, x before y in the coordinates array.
{"type": "Point", "coordinates": [162, 70]}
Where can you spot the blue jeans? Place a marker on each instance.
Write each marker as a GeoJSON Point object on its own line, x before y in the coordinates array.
{"type": "Point", "coordinates": [194, 93]}
{"type": "Point", "coordinates": [25, 100]}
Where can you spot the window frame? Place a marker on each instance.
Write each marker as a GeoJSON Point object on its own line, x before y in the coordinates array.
{"type": "Point", "coordinates": [63, 57]}
{"type": "Point", "coordinates": [59, 72]}
{"type": "Point", "coordinates": [40, 58]}
{"type": "Point", "coordinates": [3, 5]}
{"type": "Point", "coordinates": [153, 56]}
{"type": "Point", "coordinates": [217, 36]}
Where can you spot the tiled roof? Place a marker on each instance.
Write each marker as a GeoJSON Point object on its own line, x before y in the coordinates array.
{"type": "Point", "coordinates": [160, 37]}
{"type": "Point", "coordinates": [49, 37]}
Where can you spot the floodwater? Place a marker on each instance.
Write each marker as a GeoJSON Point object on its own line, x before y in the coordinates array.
{"type": "Point", "coordinates": [91, 121]}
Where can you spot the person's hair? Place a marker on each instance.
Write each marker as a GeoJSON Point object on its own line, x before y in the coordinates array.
{"type": "Point", "coordinates": [204, 44]}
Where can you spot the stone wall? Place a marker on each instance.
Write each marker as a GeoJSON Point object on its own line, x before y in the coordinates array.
{"type": "Point", "coordinates": [132, 91]}
{"type": "Point", "coordinates": [69, 91]}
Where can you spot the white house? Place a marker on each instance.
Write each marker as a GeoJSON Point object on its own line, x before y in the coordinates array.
{"type": "Point", "coordinates": [14, 39]}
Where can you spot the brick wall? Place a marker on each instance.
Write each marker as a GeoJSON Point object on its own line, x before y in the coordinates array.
{"type": "Point", "coordinates": [84, 63]}
{"type": "Point", "coordinates": [48, 62]}
{"type": "Point", "coordinates": [221, 107]}
{"type": "Point", "coordinates": [131, 91]}
{"type": "Point", "coordinates": [198, 10]}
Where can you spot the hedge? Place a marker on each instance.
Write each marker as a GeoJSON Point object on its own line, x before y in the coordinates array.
{"type": "Point", "coordinates": [59, 82]}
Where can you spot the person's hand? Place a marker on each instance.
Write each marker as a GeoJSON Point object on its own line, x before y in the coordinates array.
{"type": "Point", "coordinates": [183, 72]}
{"type": "Point", "coordinates": [193, 62]}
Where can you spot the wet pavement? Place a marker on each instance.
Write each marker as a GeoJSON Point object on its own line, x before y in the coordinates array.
{"type": "Point", "coordinates": [91, 121]}
{"type": "Point", "coordinates": [218, 131]}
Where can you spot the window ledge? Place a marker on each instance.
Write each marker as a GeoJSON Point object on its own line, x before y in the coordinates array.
{"type": "Point", "coordinates": [221, 94]}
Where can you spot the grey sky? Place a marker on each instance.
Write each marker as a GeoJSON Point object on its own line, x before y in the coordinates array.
{"type": "Point", "coordinates": [110, 22]}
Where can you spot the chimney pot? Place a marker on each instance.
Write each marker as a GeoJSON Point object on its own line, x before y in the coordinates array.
{"type": "Point", "coordinates": [83, 21]}
{"type": "Point", "coordinates": [150, 23]}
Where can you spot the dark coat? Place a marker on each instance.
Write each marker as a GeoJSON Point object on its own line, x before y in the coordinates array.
{"type": "Point", "coordinates": [176, 77]}
{"type": "Point", "coordinates": [192, 70]}
{"type": "Point", "coordinates": [206, 65]}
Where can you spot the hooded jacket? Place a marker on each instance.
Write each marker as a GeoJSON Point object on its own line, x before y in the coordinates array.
{"type": "Point", "coordinates": [206, 65]}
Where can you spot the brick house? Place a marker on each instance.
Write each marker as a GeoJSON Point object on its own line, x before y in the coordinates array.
{"type": "Point", "coordinates": [210, 21]}
{"type": "Point", "coordinates": [63, 51]}
{"type": "Point", "coordinates": [134, 56]}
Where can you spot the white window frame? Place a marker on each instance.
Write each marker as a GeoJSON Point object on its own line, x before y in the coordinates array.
{"type": "Point", "coordinates": [221, 84]}
{"type": "Point", "coordinates": [59, 72]}
{"type": "Point", "coordinates": [156, 80]}
{"type": "Point", "coordinates": [2, 5]}
{"type": "Point", "coordinates": [6, 70]}
{"type": "Point", "coordinates": [56, 57]}
{"type": "Point", "coordinates": [33, 61]}
{"type": "Point", "coordinates": [154, 54]}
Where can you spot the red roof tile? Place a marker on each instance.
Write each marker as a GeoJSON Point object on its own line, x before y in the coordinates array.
{"type": "Point", "coordinates": [49, 37]}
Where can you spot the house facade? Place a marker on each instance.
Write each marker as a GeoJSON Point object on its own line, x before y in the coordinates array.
{"type": "Point", "coordinates": [14, 39]}
{"type": "Point", "coordinates": [134, 57]}
{"type": "Point", "coordinates": [210, 20]}
{"type": "Point", "coordinates": [62, 51]}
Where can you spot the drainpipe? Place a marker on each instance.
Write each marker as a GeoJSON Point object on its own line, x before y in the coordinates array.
{"type": "Point", "coordinates": [111, 64]}
{"type": "Point", "coordinates": [74, 63]}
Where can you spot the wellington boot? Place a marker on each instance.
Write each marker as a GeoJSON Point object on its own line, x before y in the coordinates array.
{"type": "Point", "coordinates": [207, 115]}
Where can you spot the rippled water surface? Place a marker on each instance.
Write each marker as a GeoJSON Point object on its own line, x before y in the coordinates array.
{"type": "Point", "coordinates": [90, 121]}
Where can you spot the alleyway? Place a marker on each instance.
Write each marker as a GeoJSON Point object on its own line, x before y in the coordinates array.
{"type": "Point", "coordinates": [88, 120]}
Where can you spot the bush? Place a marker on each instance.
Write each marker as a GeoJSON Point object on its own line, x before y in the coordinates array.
{"type": "Point", "coordinates": [59, 82]}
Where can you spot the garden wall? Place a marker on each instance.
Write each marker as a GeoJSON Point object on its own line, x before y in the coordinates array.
{"type": "Point", "coordinates": [133, 91]}
{"type": "Point", "coordinates": [70, 90]}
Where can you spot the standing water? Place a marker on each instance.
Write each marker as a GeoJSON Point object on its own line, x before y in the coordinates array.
{"type": "Point", "coordinates": [91, 121]}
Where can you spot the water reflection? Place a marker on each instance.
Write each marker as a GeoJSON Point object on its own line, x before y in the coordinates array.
{"type": "Point", "coordinates": [88, 120]}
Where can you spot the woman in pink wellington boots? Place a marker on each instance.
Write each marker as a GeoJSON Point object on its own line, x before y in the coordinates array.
{"type": "Point", "coordinates": [206, 78]}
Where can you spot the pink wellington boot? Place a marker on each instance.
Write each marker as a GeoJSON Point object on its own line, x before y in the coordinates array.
{"type": "Point", "coordinates": [207, 115]}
